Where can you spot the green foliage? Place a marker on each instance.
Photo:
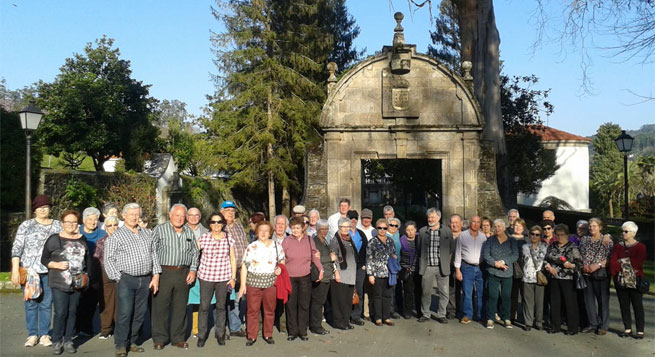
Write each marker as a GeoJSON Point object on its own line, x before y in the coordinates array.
{"type": "Point", "coordinates": [95, 106]}
{"type": "Point", "coordinates": [644, 143]}
{"type": "Point", "coordinates": [80, 194]}
{"type": "Point", "coordinates": [606, 172]}
{"type": "Point", "coordinates": [12, 157]}
{"type": "Point", "coordinates": [445, 37]}
{"type": "Point", "coordinates": [344, 31]}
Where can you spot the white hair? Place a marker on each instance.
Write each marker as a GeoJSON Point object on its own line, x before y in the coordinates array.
{"type": "Point", "coordinates": [393, 219]}
{"type": "Point", "coordinates": [173, 207]}
{"type": "Point", "coordinates": [286, 220]}
{"type": "Point", "coordinates": [111, 219]}
{"type": "Point", "coordinates": [630, 226]}
{"type": "Point", "coordinates": [518, 215]}
{"type": "Point", "coordinates": [314, 210]}
{"type": "Point", "coordinates": [501, 221]}
{"type": "Point", "coordinates": [129, 206]}
{"type": "Point", "coordinates": [433, 210]}
{"type": "Point", "coordinates": [387, 208]}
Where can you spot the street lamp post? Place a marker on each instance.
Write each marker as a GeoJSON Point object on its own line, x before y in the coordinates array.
{"type": "Point", "coordinates": [30, 117]}
{"type": "Point", "coordinates": [624, 143]}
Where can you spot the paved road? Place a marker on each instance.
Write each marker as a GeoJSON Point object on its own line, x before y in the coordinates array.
{"type": "Point", "coordinates": [407, 338]}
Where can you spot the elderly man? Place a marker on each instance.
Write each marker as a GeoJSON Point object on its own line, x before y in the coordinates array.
{"type": "Point", "coordinates": [236, 231]}
{"type": "Point", "coordinates": [365, 224]}
{"type": "Point", "coordinates": [193, 217]}
{"type": "Point", "coordinates": [468, 256]}
{"type": "Point", "coordinates": [548, 215]}
{"type": "Point", "coordinates": [279, 235]}
{"type": "Point", "coordinates": [131, 260]}
{"type": "Point", "coordinates": [177, 251]}
{"type": "Point", "coordinates": [435, 247]}
{"type": "Point", "coordinates": [90, 297]}
{"type": "Point", "coordinates": [512, 216]}
{"type": "Point", "coordinates": [333, 220]}
{"type": "Point", "coordinates": [314, 217]}
{"type": "Point", "coordinates": [455, 292]}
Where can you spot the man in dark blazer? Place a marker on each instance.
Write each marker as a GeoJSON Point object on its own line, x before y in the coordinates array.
{"type": "Point", "coordinates": [436, 246]}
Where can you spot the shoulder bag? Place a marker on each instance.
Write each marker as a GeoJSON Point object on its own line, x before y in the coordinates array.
{"type": "Point", "coordinates": [314, 273]}
{"type": "Point", "coordinates": [626, 277]}
{"type": "Point", "coordinates": [542, 280]}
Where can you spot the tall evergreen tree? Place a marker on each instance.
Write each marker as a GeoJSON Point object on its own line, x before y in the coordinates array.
{"type": "Point", "coordinates": [606, 170]}
{"type": "Point", "coordinates": [445, 37]}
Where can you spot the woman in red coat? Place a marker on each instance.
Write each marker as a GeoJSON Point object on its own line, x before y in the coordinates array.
{"type": "Point", "coordinates": [626, 253]}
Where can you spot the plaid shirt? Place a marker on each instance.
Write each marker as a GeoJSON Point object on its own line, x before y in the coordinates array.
{"type": "Point", "coordinates": [433, 248]}
{"type": "Point", "coordinates": [240, 240]}
{"type": "Point", "coordinates": [130, 253]}
{"type": "Point", "coordinates": [215, 258]}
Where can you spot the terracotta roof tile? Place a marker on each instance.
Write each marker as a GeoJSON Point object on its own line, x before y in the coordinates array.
{"type": "Point", "coordinates": [552, 134]}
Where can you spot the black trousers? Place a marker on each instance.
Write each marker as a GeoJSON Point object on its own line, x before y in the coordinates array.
{"type": "Point", "coordinates": [89, 299]}
{"type": "Point", "coordinates": [627, 297]}
{"type": "Point", "coordinates": [297, 307]}
{"type": "Point", "coordinates": [169, 307]}
{"type": "Point", "coordinates": [342, 303]}
{"type": "Point", "coordinates": [409, 293]}
{"type": "Point", "coordinates": [319, 297]}
{"type": "Point", "coordinates": [454, 294]}
{"type": "Point", "coordinates": [562, 289]}
{"type": "Point", "coordinates": [208, 289]}
{"type": "Point", "coordinates": [381, 299]}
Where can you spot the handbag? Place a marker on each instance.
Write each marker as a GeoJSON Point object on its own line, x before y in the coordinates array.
{"type": "Point", "coordinates": [260, 280]}
{"type": "Point", "coordinates": [518, 270]}
{"type": "Point", "coordinates": [32, 288]}
{"type": "Point", "coordinates": [355, 298]}
{"type": "Point", "coordinates": [626, 277]}
{"type": "Point", "coordinates": [80, 281]}
{"type": "Point", "coordinates": [22, 273]}
{"type": "Point", "coordinates": [314, 273]}
{"type": "Point", "coordinates": [542, 280]}
{"type": "Point", "coordinates": [580, 283]}
{"type": "Point", "coordinates": [643, 285]}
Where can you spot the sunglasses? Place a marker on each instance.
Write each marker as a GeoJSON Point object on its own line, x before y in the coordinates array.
{"type": "Point", "coordinates": [535, 234]}
{"type": "Point", "coordinates": [381, 228]}
{"type": "Point", "coordinates": [394, 225]}
{"type": "Point", "coordinates": [216, 222]}
{"type": "Point", "coordinates": [306, 222]}
{"type": "Point", "coordinates": [111, 225]}
{"type": "Point", "coordinates": [548, 228]}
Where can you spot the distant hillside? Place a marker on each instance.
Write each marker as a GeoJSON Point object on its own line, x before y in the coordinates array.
{"type": "Point", "coordinates": [644, 143]}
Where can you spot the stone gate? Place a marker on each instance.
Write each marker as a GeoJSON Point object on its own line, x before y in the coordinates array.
{"type": "Point", "coordinates": [401, 104]}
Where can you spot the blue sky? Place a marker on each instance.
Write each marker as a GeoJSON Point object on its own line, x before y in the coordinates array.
{"type": "Point", "coordinates": [168, 45]}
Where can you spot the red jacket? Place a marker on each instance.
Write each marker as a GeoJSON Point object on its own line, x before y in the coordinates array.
{"type": "Point", "coordinates": [637, 257]}
{"type": "Point", "coordinates": [283, 284]}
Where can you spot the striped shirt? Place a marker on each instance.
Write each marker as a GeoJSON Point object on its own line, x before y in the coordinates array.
{"type": "Point", "coordinates": [237, 233]}
{"type": "Point", "coordinates": [175, 249]}
{"type": "Point", "coordinates": [130, 253]}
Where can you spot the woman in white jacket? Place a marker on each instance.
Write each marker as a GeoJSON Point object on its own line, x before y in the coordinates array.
{"type": "Point", "coordinates": [533, 293]}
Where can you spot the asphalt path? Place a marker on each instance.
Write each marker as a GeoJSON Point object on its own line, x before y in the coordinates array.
{"type": "Point", "coordinates": [407, 338]}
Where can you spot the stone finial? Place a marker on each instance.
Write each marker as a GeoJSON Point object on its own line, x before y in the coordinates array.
{"type": "Point", "coordinates": [466, 66]}
{"type": "Point", "coordinates": [398, 36]}
{"type": "Point", "coordinates": [332, 80]}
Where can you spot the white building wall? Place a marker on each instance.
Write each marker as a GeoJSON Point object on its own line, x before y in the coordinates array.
{"type": "Point", "coordinates": [570, 182]}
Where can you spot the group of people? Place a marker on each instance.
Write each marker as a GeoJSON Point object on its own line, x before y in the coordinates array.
{"type": "Point", "coordinates": [300, 271]}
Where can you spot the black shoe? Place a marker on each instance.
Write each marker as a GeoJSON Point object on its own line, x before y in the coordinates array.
{"type": "Point", "coordinates": [442, 320]}
{"type": "Point", "coordinates": [322, 331]}
{"type": "Point", "coordinates": [291, 338]}
{"type": "Point", "coordinates": [554, 331]}
{"type": "Point", "coordinates": [527, 328]}
{"type": "Point", "coordinates": [407, 317]}
{"type": "Point", "coordinates": [625, 334]}
{"type": "Point", "coordinates": [250, 342]}
{"type": "Point", "coordinates": [588, 329]}
{"type": "Point", "coordinates": [451, 316]}
{"type": "Point", "coordinates": [423, 319]}
{"type": "Point", "coordinates": [538, 328]}
{"type": "Point", "coordinates": [220, 340]}
{"type": "Point", "coordinates": [639, 336]}
{"type": "Point", "coordinates": [395, 315]}
{"type": "Point", "coordinates": [269, 340]}
{"type": "Point", "coordinates": [571, 333]}
{"type": "Point", "coordinates": [358, 322]}
{"type": "Point", "coordinates": [303, 338]}
{"type": "Point", "coordinates": [201, 343]}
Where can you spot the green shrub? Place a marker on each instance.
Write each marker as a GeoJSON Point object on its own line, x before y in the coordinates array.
{"type": "Point", "coordinates": [80, 194]}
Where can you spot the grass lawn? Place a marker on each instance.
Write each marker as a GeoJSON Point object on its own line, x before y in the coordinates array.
{"type": "Point", "coordinates": [54, 162]}
{"type": "Point", "coordinates": [4, 276]}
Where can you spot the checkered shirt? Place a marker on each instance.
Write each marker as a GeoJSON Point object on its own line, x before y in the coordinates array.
{"type": "Point", "coordinates": [215, 258]}
{"type": "Point", "coordinates": [130, 253]}
{"type": "Point", "coordinates": [240, 240]}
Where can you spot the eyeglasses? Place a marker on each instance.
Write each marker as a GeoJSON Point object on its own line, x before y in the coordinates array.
{"type": "Point", "coordinates": [394, 225]}
{"type": "Point", "coordinates": [548, 228]}
{"type": "Point", "coordinates": [216, 222]}
{"type": "Point", "coordinates": [42, 208]}
{"type": "Point", "coordinates": [625, 231]}
{"type": "Point", "coordinates": [193, 215]}
{"type": "Point", "coordinates": [381, 228]}
{"type": "Point", "coordinates": [345, 227]}
{"type": "Point", "coordinates": [69, 222]}
{"type": "Point", "coordinates": [111, 225]}
{"type": "Point", "coordinates": [535, 234]}
{"type": "Point", "coordinates": [306, 222]}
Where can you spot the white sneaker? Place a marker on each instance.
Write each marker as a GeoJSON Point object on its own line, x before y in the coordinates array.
{"type": "Point", "coordinates": [490, 324]}
{"type": "Point", "coordinates": [32, 341]}
{"type": "Point", "coordinates": [105, 337]}
{"type": "Point", "coordinates": [508, 324]}
{"type": "Point", "coordinates": [45, 341]}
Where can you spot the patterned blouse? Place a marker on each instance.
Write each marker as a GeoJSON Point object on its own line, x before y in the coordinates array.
{"type": "Point", "coordinates": [377, 257]}
{"type": "Point", "coordinates": [594, 252]}
{"type": "Point", "coordinates": [28, 245]}
{"type": "Point", "coordinates": [215, 258]}
{"type": "Point", "coordinates": [260, 259]}
{"type": "Point", "coordinates": [554, 256]}
{"type": "Point", "coordinates": [530, 258]}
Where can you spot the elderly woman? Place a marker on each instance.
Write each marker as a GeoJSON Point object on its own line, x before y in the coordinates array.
{"type": "Point", "coordinates": [561, 262]}
{"type": "Point", "coordinates": [108, 302]}
{"type": "Point", "coordinates": [519, 233]}
{"type": "Point", "coordinates": [320, 289]}
{"type": "Point", "coordinates": [258, 273]}
{"type": "Point", "coordinates": [393, 234]}
{"type": "Point", "coordinates": [533, 294]}
{"type": "Point", "coordinates": [300, 252]}
{"type": "Point", "coordinates": [380, 248]}
{"type": "Point", "coordinates": [67, 257]}
{"type": "Point", "coordinates": [595, 256]}
{"type": "Point", "coordinates": [626, 266]}
{"type": "Point", "coordinates": [343, 249]}
{"type": "Point", "coordinates": [485, 226]}
{"type": "Point", "coordinates": [409, 265]}
{"type": "Point", "coordinates": [26, 255]}
{"type": "Point", "coordinates": [361, 243]}
{"type": "Point", "coordinates": [216, 275]}
{"type": "Point", "coordinates": [110, 209]}
{"type": "Point", "coordinates": [548, 228]}
{"type": "Point", "coordinates": [499, 253]}
{"type": "Point", "coordinates": [581, 230]}
{"type": "Point", "coordinates": [314, 217]}
{"type": "Point", "coordinates": [91, 296]}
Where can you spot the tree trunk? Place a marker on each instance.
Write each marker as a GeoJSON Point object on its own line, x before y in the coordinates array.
{"type": "Point", "coordinates": [286, 202]}
{"type": "Point", "coordinates": [611, 209]}
{"type": "Point", "coordinates": [269, 156]}
{"type": "Point", "coordinates": [481, 45]}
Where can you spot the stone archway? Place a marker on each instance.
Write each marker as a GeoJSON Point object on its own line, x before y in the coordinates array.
{"type": "Point", "coordinates": [402, 105]}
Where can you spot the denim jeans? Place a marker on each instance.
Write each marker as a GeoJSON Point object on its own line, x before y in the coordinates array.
{"type": "Point", "coordinates": [38, 311]}
{"type": "Point", "coordinates": [233, 315]}
{"type": "Point", "coordinates": [471, 275]}
{"type": "Point", "coordinates": [131, 303]}
{"type": "Point", "coordinates": [66, 303]}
